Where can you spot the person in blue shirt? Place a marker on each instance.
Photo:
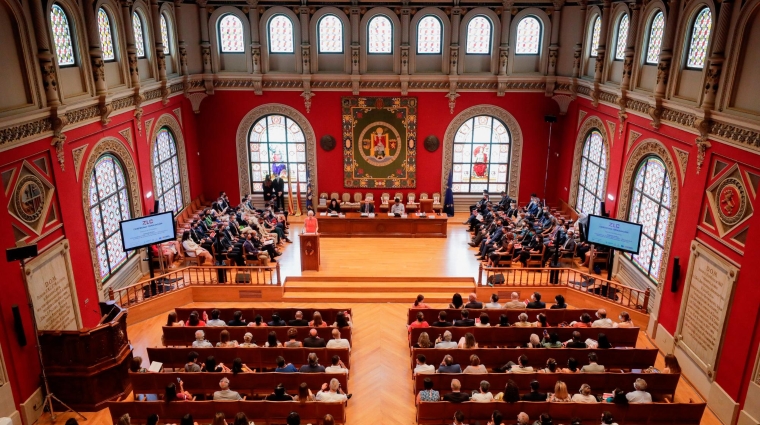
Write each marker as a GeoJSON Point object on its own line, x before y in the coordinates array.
{"type": "Point", "coordinates": [282, 367]}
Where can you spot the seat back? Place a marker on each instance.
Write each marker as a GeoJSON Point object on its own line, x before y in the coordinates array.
{"type": "Point", "coordinates": [183, 336]}
{"type": "Point", "coordinates": [357, 197]}
{"type": "Point", "coordinates": [335, 196]}
{"type": "Point", "coordinates": [370, 196]}
{"type": "Point", "coordinates": [346, 198]}
{"type": "Point", "coordinates": [399, 195]}
{"type": "Point", "coordinates": [385, 197]}
{"type": "Point", "coordinates": [323, 195]}
{"type": "Point", "coordinates": [411, 197]}
{"type": "Point", "coordinates": [436, 198]}
{"type": "Point", "coordinates": [426, 205]}
{"type": "Point", "coordinates": [423, 195]}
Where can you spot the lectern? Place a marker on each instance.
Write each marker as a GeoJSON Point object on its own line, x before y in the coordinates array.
{"type": "Point", "coordinates": [310, 258]}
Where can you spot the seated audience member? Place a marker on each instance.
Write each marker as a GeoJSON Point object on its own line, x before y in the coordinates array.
{"type": "Point", "coordinates": [456, 395]}
{"type": "Point", "coordinates": [422, 366]}
{"type": "Point", "coordinates": [172, 320]}
{"type": "Point", "coordinates": [419, 302]}
{"type": "Point", "coordinates": [338, 342]}
{"type": "Point", "coordinates": [560, 394]}
{"type": "Point", "coordinates": [535, 301]}
{"type": "Point", "coordinates": [544, 419]}
{"type": "Point", "coordinates": [618, 397]}
{"type": "Point", "coordinates": [215, 321]}
{"type": "Point", "coordinates": [239, 367]}
{"type": "Point", "coordinates": [135, 366]}
{"type": "Point", "coordinates": [608, 419]}
{"type": "Point", "coordinates": [225, 393]}
{"type": "Point", "coordinates": [482, 394]}
{"type": "Point", "coordinates": [224, 340]}
{"type": "Point", "coordinates": [248, 341]}
{"type": "Point", "coordinates": [420, 322]}
{"type": "Point", "coordinates": [304, 393]}
{"type": "Point", "coordinates": [534, 394]}
{"type": "Point", "coordinates": [459, 418]}
{"type": "Point", "coordinates": [445, 342]}
{"type": "Point", "coordinates": [342, 320]}
{"type": "Point", "coordinates": [592, 366]}
{"type": "Point", "coordinates": [192, 249]}
{"type": "Point", "coordinates": [210, 365]}
{"type": "Point", "coordinates": [241, 419]}
{"type": "Point", "coordinates": [465, 320]}
{"type": "Point", "coordinates": [514, 302]}
{"type": "Point", "coordinates": [473, 302]}
{"type": "Point", "coordinates": [551, 366]}
{"type": "Point", "coordinates": [503, 321]}
{"type": "Point", "coordinates": [285, 368]}
{"type": "Point", "coordinates": [523, 419]}
{"type": "Point", "coordinates": [576, 341]}
{"type": "Point", "coordinates": [200, 340]}
{"type": "Point", "coordinates": [272, 341]}
{"type": "Point", "coordinates": [671, 364]}
{"type": "Point", "coordinates": [258, 322]}
{"type": "Point", "coordinates": [192, 362]}
{"type": "Point", "coordinates": [316, 320]}
{"type": "Point", "coordinates": [456, 302]}
{"type": "Point", "coordinates": [332, 393]}
{"type": "Point", "coordinates": [522, 365]}
{"type": "Point", "coordinates": [572, 366]}
{"type": "Point", "coordinates": [494, 304]}
{"type": "Point", "coordinates": [541, 321]}
{"type": "Point", "coordinates": [483, 321]}
{"type": "Point", "coordinates": [291, 342]}
{"type": "Point", "coordinates": [467, 341]}
{"type": "Point", "coordinates": [585, 322]}
{"type": "Point", "coordinates": [640, 395]}
{"type": "Point", "coordinates": [337, 366]}
{"type": "Point", "coordinates": [194, 320]}
{"type": "Point", "coordinates": [496, 418]}
{"type": "Point", "coordinates": [448, 365]}
{"type": "Point", "coordinates": [552, 341]}
{"type": "Point", "coordinates": [602, 321]}
{"type": "Point", "coordinates": [584, 395]}
{"type": "Point", "coordinates": [511, 393]}
{"type": "Point", "coordinates": [187, 420]}
{"type": "Point", "coordinates": [313, 366]}
{"type": "Point", "coordinates": [559, 303]}
{"type": "Point", "coordinates": [534, 342]}
{"type": "Point", "coordinates": [279, 394]}
{"type": "Point", "coordinates": [424, 341]}
{"type": "Point", "coordinates": [293, 419]}
{"type": "Point", "coordinates": [442, 322]}
{"type": "Point", "coordinates": [428, 394]}
{"type": "Point", "coordinates": [313, 340]}
{"type": "Point", "coordinates": [475, 366]}
{"type": "Point", "coordinates": [276, 321]}
{"type": "Point", "coordinates": [151, 420]}
{"type": "Point", "coordinates": [602, 341]}
{"type": "Point", "coordinates": [625, 321]}
{"type": "Point", "coordinates": [523, 321]}
{"type": "Point", "coordinates": [237, 319]}
{"type": "Point", "coordinates": [299, 320]}
{"type": "Point", "coordinates": [171, 393]}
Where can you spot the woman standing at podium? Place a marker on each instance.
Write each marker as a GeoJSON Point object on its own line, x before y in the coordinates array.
{"type": "Point", "coordinates": [310, 224]}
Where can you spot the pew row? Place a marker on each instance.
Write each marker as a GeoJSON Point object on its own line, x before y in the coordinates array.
{"type": "Point", "coordinates": [183, 336]}
{"type": "Point", "coordinates": [260, 412]}
{"type": "Point", "coordinates": [518, 337]}
{"type": "Point", "coordinates": [553, 317]}
{"type": "Point", "coordinates": [247, 384]}
{"type": "Point", "coordinates": [249, 313]}
{"type": "Point", "coordinates": [256, 358]}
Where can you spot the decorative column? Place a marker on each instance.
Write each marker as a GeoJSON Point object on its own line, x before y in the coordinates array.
{"type": "Point", "coordinates": [134, 70]}
{"type": "Point", "coordinates": [355, 13]}
{"type": "Point", "coordinates": [456, 17]}
{"type": "Point", "coordinates": [601, 51]}
{"type": "Point", "coordinates": [181, 44]}
{"type": "Point", "coordinates": [405, 12]}
{"type": "Point", "coordinates": [506, 23]}
{"type": "Point", "coordinates": [160, 55]}
{"type": "Point", "coordinates": [205, 44]}
{"type": "Point", "coordinates": [663, 65]}
{"type": "Point", "coordinates": [303, 14]}
{"type": "Point", "coordinates": [630, 45]}
{"type": "Point", "coordinates": [96, 61]}
{"type": "Point", "coordinates": [578, 48]}
{"type": "Point", "coordinates": [554, 44]}
{"type": "Point", "coordinates": [253, 17]}
{"type": "Point", "coordinates": [717, 57]}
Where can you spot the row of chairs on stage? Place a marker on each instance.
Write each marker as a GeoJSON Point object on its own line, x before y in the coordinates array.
{"type": "Point", "coordinates": [424, 203]}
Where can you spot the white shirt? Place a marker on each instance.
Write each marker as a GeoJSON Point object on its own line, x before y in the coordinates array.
{"type": "Point", "coordinates": [216, 322]}
{"type": "Point", "coordinates": [202, 344]}
{"type": "Point", "coordinates": [492, 305]}
{"type": "Point", "coordinates": [330, 396]}
{"type": "Point", "coordinates": [580, 398]}
{"type": "Point", "coordinates": [424, 368]}
{"type": "Point", "coordinates": [603, 323]}
{"type": "Point", "coordinates": [190, 247]}
{"type": "Point", "coordinates": [398, 208]}
{"type": "Point", "coordinates": [521, 369]}
{"type": "Point", "coordinates": [482, 397]}
{"type": "Point", "coordinates": [338, 343]}
{"type": "Point", "coordinates": [336, 369]}
{"type": "Point", "coordinates": [446, 344]}
{"type": "Point", "coordinates": [639, 397]}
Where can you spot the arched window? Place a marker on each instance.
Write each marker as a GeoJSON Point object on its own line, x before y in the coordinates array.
{"type": "Point", "coordinates": [277, 147]}
{"type": "Point", "coordinates": [167, 188]}
{"type": "Point", "coordinates": [650, 207]}
{"type": "Point", "coordinates": [622, 38]}
{"type": "Point", "coordinates": [330, 34]}
{"type": "Point", "coordinates": [429, 38]}
{"type": "Point", "coordinates": [64, 47]}
{"type": "Point", "coordinates": [280, 34]}
{"type": "Point", "coordinates": [106, 40]}
{"type": "Point", "coordinates": [380, 35]}
{"type": "Point", "coordinates": [479, 31]}
{"type": "Point", "coordinates": [593, 172]}
{"type": "Point", "coordinates": [656, 30]}
{"type": "Point", "coordinates": [528, 36]}
{"type": "Point", "coordinates": [482, 148]}
{"type": "Point", "coordinates": [595, 32]}
{"type": "Point", "coordinates": [231, 34]}
{"type": "Point", "coordinates": [137, 26]}
{"type": "Point", "coordinates": [109, 204]}
{"type": "Point", "coordinates": [165, 34]}
{"type": "Point", "coordinates": [700, 37]}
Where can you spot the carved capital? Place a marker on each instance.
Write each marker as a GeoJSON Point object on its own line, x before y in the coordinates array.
{"type": "Point", "coordinates": [104, 108]}
{"type": "Point", "coordinates": [49, 78]}
{"type": "Point", "coordinates": [206, 56]}
{"type": "Point", "coordinates": [134, 71]}
{"type": "Point", "coordinates": [98, 68]}
{"type": "Point", "coordinates": [656, 113]}
{"type": "Point", "coordinates": [307, 95]}
{"type": "Point", "coordinates": [702, 142]}
{"type": "Point", "coordinates": [59, 121]}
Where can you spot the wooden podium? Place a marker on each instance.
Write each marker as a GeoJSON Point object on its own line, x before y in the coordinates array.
{"type": "Point", "coordinates": [310, 257]}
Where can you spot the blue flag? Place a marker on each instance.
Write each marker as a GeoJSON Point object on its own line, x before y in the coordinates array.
{"type": "Point", "coordinates": [309, 194]}
{"type": "Point", "coordinates": [448, 203]}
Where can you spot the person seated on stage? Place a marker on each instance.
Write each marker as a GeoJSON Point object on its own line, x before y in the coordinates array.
{"type": "Point", "coordinates": [171, 393]}
{"type": "Point", "coordinates": [533, 247]}
{"type": "Point", "coordinates": [442, 322]}
{"type": "Point", "coordinates": [291, 342]}
{"type": "Point", "coordinates": [239, 367]}
{"type": "Point", "coordinates": [625, 321]}
{"type": "Point", "coordinates": [422, 366]}
{"type": "Point", "coordinates": [592, 366]}
{"type": "Point", "coordinates": [310, 223]}
{"type": "Point", "coordinates": [428, 394]}
{"type": "Point", "coordinates": [337, 366]}
{"type": "Point", "coordinates": [445, 342]}
{"type": "Point", "coordinates": [419, 323]}
{"type": "Point", "coordinates": [237, 319]}
{"type": "Point", "coordinates": [313, 366]}
{"type": "Point", "coordinates": [342, 320]}
{"type": "Point", "coordinates": [225, 393]}
{"type": "Point", "coordinates": [284, 368]}
{"type": "Point", "coordinates": [332, 393]}
{"type": "Point", "coordinates": [200, 340]}
{"type": "Point", "coordinates": [419, 302]}
{"type": "Point", "coordinates": [169, 251]}
{"type": "Point", "coordinates": [494, 304]}
{"type": "Point", "coordinates": [248, 341]}
{"type": "Point", "coordinates": [224, 340]}
{"type": "Point", "coordinates": [210, 365]}
{"type": "Point", "coordinates": [249, 249]}
{"type": "Point", "coordinates": [456, 395]}
{"type": "Point", "coordinates": [482, 394]}
{"type": "Point", "coordinates": [473, 302]}
{"type": "Point", "coordinates": [367, 207]}
{"type": "Point", "coordinates": [272, 341]}
{"type": "Point", "coordinates": [316, 320]}
{"type": "Point", "coordinates": [576, 341]}
{"type": "Point", "coordinates": [397, 207]}
{"type": "Point", "coordinates": [276, 321]}
{"type": "Point", "coordinates": [282, 228]}
{"type": "Point", "coordinates": [515, 302]}
{"type": "Point", "coordinates": [264, 245]}
{"type": "Point", "coordinates": [279, 394]}
{"type": "Point", "coordinates": [584, 322]}
{"type": "Point", "coordinates": [192, 362]}
{"type": "Point", "coordinates": [172, 320]}
{"type": "Point", "coordinates": [299, 320]}
{"type": "Point", "coordinates": [337, 341]}
{"type": "Point", "coordinates": [448, 365]}
{"type": "Point", "coordinates": [424, 341]}
{"type": "Point", "coordinates": [333, 207]}
{"type": "Point", "coordinates": [313, 340]}
{"type": "Point", "coordinates": [192, 249]}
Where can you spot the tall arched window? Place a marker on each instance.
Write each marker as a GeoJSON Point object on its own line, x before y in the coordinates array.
{"type": "Point", "coordinates": [280, 34]}
{"type": "Point", "coordinates": [167, 186]}
{"type": "Point", "coordinates": [64, 46]}
{"type": "Point", "coordinates": [277, 147]}
{"type": "Point", "coordinates": [380, 35]}
{"type": "Point", "coordinates": [137, 26]}
{"type": "Point", "coordinates": [479, 31]}
{"type": "Point", "coordinates": [622, 37]}
{"type": "Point", "coordinates": [109, 204]}
{"type": "Point", "coordinates": [596, 30]}
{"type": "Point", "coordinates": [482, 148]}
{"type": "Point", "coordinates": [231, 34]}
{"type": "Point", "coordinates": [593, 173]}
{"type": "Point", "coordinates": [650, 207]}
{"type": "Point", "coordinates": [528, 36]}
{"type": "Point", "coordinates": [165, 34]}
{"type": "Point", "coordinates": [106, 39]}
{"type": "Point", "coordinates": [330, 34]}
{"type": "Point", "coordinates": [429, 38]}
{"type": "Point", "coordinates": [700, 38]}
{"type": "Point", "coordinates": [656, 31]}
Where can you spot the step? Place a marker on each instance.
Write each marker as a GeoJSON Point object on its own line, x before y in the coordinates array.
{"type": "Point", "coordinates": [359, 286]}
{"type": "Point", "coordinates": [366, 297]}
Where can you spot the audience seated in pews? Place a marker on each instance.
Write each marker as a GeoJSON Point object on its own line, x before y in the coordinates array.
{"type": "Point", "coordinates": [285, 368]}
{"type": "Point", "coordinates": [276, 321]}
{"type": "Point", "coordinates": [602, 320]}
{"type": "Point", "coordinates": [560, 394]}
{"type": "Point", "coordinates": [192, 362]}
{"type": "Point", "coordinates": [584, 395]}
{"type": "Point", "coordinates": [225, 393]}
{"type": "Point", "coordinates": [559, 302]}
{"type": "Point", "coordinates": [279, 394]}
{"type": "Point", "coordinates": [465, 320]}
{"type": "Point", "coordinates": [195, 320]}
{"type": "Point", "coordinates": [419, 323]}
{"type": "Point", "coordinates": [511, 393]}
{"type": "Point", "coordinates": [475, 366]}
{"type": "Point", "coordinates": [237, 319]}
{"type": "Point", "coordinates": [224, 340]}
{"type": "Point", "coordinates": [135, 365]}
{"type": "Point", "coordinates": [467, 341]}
{"type": "Point", "coordinates": [482, 394]}
{"type": "Point", "coordinates": [424, 341]}
{"type": "Point", "coordinates": [419, 302]}
{"type": "Point", "coordinates": [534, 394]}
{"type": "Point", "coordinates": [428, 394]}
{"type": "Point", "coordinates": [272, 341]}
{"type": "Point", "coordinates": [337, 366]}
{"type": "Point", "coordinates": [342, 320]}
{"type": "Point", "coordinates": [317, 320]}
{"type": "Point", "coordinates": [456, 302]}
{"type": "Point", "coordinates": [239, 367]}
{"type": "Point", "coordinates": [332, 393]}
{"type": "Point", "coordinates": [210, 365]}
{"type": "Point", "coordinates": [248, 341]}
{"type": "Point", "coordinates": [291, 342]}
{"type": "Point", "coordinates": [172, 320]}
{"type": "Point", "coordinates": [592, 366]}
{"type": "Point", "coordinates": [313, 366]}
{"type": "Point", "coordinates": [314, 341]}
{"type": "Point", "coordinates": [422, 366]}
{"type": "Point", "coordinates": [448, 365]}
{"type": "Point", "coordinates": [445, 341]}
{"type": "Point", "coordinates": [337, 341]}
{"type": "Point", "coordinates": [456, 395]}
{"type": "Point", "coordinates": [640, 395]}
{"type": "Point", "coordinates": [515, 302]}
{"type": "Point", "coordinates": [200, 340]}
{"type": "Point", "coordinates": [171, 393]}
{"type": "Point", "coordinates": [494, 304]}
{"type": "Point", "coordinates": [258, 322]}
{"type": "Point", "coordinates": [298, 321]}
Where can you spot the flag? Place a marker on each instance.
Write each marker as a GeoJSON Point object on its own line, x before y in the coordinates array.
{"type": "Point", "coordinates": [448, 203]}
{"type": "Point", "coordinates": [309, 195]}
{"type": "Point", "coordinates": [298, 193]}
{"type": "Point", "coordinates": [290, 195]}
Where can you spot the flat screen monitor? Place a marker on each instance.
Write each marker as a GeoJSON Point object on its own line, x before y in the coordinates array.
{"type": "Point", "coordinates": [148, 230]}
{"type": "Point", "coordinates": [616, 234]}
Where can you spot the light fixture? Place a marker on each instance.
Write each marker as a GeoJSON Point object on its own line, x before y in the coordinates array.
{"type": "Point", "coordinates": [148, 195]}
{"type": "Point", "coordinates": [610, 197]}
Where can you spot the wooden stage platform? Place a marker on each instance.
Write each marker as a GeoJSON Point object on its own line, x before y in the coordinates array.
{"type": "Point", "coordinates": [383, 226]}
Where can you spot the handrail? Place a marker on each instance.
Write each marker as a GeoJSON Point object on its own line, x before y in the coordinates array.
{"type": "Point", "coordinates": [632, 298]}
{"type": "Point", "coordinates": [157, 286]}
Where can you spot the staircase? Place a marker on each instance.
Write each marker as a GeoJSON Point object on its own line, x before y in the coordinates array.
{"type": "Point", "coordinates": [372, 289]}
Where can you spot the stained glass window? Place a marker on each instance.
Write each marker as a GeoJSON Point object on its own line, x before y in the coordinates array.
{"type": "Point", "coordinates": [656, 30]}
{"type": "Point", "coordinates": [167, 189]}
{"type": "Point", "coordinates": [330, 34]}
{"type": "Point", "coordinates": [595, 31]}
{"type": "Point", "coordinates": [700, 37]}
{"type": "Point", "coordinates": [106, 41]}
{"type": "Point", "coordinates": [479, 36]}
{"type": "Point", "coordinates": [593, 172]}
{"type": "Point", "coordinates": [280, 34]}
{"type": "Point", "coordinates": [650, 207]}
{"type": "Point", "coordinates": [277, 147]}
{"type": "Point", "coordinates": [482, 148]}
{"type": "Point", "coordinates": [622, 38]}
{"type": "Point", "coordinates": [165, 34]}
{"type": "Point", "coordinates": [137, 26]}
{"type": "Point", "coordinates": [64, 47]}
{"type": "Point", "coordinates": [109, 204]}
{"type": "Point", "coordinates": [528, 36]}
{"type": "Point", "coordinates": [429, 36]}
{"type": "Point", "coordinates": [380, 35]}
{"type": "Point", "coordinates": [231, 34]}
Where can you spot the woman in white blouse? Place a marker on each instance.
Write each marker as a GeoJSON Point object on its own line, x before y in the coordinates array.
{"type": "Point", "coordinates": [192, 249]}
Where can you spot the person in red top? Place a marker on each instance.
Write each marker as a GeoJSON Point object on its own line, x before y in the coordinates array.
{"type": "Point", "coordinates": [419, 323]}
{"type": "Point", "coordinates": [585, 322]}
{"type": "Point", "coordinates": [194, 319]}
{"type": "Point", "coordinates": [420, 302]}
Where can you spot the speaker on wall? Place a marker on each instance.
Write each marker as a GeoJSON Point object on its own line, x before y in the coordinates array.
{"type": "Point", "coordinates": [676, 275]}
{"type": "Point", "coordinates": [18, 325]}
{"type": "Point", "coordinates": [155, 206]}
{"type": "Point", "coordinates": [603, 208]}
{"type": "Point", "coordinates": [21, 252]}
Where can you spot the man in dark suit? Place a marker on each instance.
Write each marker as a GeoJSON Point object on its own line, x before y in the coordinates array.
{"type": "Point", "coordinates": [456, 396]}
{"type": "Point", "coordinates": [367, 207]}
{"type": "Point", "coordinates": [534, 394]}
{"type": "Point", "coordinates": [314, 341]}
{"type": "Point", "coordinates": [504, 201]}
{"type": "Point", "coordinates": [298, 321]}
{"type": "Point", "coordinates": [442, 322]}
{"type": "Point", "coordinates": [237, 319]}
{"type": "Point", "coordinates": [279, 189]}
{"type": "Point", "coordinates": [535, 301]}
{"type": "Point", "coordinates": [465, 320]}
{"type": "Point", "coordinates": [577, 341]}
{"type": "Point", "coordinates": [473, 302]}
{"type": "Point", "coordinates": [276, 321]}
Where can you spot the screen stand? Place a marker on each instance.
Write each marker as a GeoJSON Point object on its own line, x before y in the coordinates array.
{"type": "Point", "coordinates": [609, 264]}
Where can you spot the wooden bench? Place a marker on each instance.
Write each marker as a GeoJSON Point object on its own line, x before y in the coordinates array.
{"type": "Point", "coordinates": [626, 359]}
{"type": "Point", "coordinates": [256, 358]}
{"type": "Point", "coordinates": [553, 317]}
{"type": "Point", "coordinates": [249, 313]}
{"type": "Point", "coordinates": [518, 337]}
{"type": "Point", "coordinates": [183, 336]}
{"type": "Point", "coordinates": [260, 412]}
{"type": "Point", "coordinates": [247, 384]}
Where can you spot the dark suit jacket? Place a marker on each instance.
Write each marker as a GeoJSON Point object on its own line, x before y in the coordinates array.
{"type": "Point", "coordinates": [456, 397]}
{"type": "Point", "coordinates": [298, 322]}
{"type": "Point", "coordinates": [314, 342]}
{"type": "Point", "coordinates": [442, 324]}
{"type": "Point", "coordinates": [234, 322]}
{"type": "Point", "coordinates": [465, 322]}
{"type": "Point", "coordinates": [367, 208]}
{"type": "Point", "coordinates": [280, 323]}
{"type": "Point", "coordinates": [536, 304]}
{"type": "Point", "coordinates": [476, 305]}
{"type": "Point", "coordinates": [573, 344]}
{"type": "Point", "coordinates": [278, 185]}
{"type": "Point", "coordinates": [531, 396]}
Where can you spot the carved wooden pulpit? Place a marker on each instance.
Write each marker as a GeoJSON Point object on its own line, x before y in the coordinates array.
{"type": "Point", "coordinates": [310, 251]}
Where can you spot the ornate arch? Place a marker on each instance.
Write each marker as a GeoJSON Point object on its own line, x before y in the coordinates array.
{"type": "Point", "coordinates": [244, 171]}
{"type": "Point", "coordinates": [592, 122]}
{"type": "Point", "coordinates": [115, 147]}
{"type": "Point", "coordinates": [642, 150]}
{"type": "Point", "coordinates": [514, 131]}
{"type": "Point", "coordinates": [167, 120]}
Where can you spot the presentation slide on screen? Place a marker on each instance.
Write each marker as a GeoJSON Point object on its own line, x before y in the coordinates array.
{"type": "Point", "coordinates": [147, 230]}
{"type": "Point", "coordinates": [620, 235]}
